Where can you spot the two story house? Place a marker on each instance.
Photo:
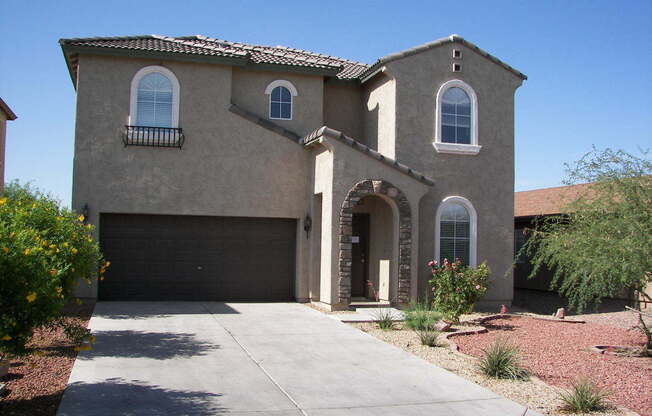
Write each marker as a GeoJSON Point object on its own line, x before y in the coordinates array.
{"type": "Point", "coordinates": [217, 170]}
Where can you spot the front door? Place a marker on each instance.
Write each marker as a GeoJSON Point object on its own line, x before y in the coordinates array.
{"type": "Point", "coordinates": [360, 255]}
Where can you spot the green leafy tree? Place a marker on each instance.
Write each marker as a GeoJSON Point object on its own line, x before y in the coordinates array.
{"type": "Point", "coordinates": [45, 250]}
{"type": "Point", "coordinates": [602, 245]}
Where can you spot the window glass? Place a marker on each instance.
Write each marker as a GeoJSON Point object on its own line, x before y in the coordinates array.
{"type": "Point", "coordinates": [280, 105]}
{"type": "Point", "coordinates": [454, 234]}
{"type": "Point", "coordinates": [456, 116]}
{"type": "Point", "coordinates": [154, 101]}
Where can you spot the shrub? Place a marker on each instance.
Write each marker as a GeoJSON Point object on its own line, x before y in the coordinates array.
{"type": "Point", "coordinates": [428, 336]}
{"type": "Point", "coordinates": [385, 318]}
{"type": "Point", "coordinates": [44, 251]}
{"type": "Point", "coordinates": [501, 360]}
{"type": "Point", "coordinates": [419, 316]}
{"type": "Point", "coordinates": [584, 396]}
{"type": "Point", "coordinates": [456, 287]}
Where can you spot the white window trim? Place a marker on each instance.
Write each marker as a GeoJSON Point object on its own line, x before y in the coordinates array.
{"type": "Point", "coordinates": [134, 92]}
{"type": "Point", "coordinates": [457, 148]}
{"type": "Point", "coordinates": [293, 93]}
{"type": "Point", "coordinates": [473, 226]}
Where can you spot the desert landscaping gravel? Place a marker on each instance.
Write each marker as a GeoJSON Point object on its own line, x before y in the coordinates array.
{"type": "Point", "coordinates": [535, 393]}
{"type": "Point", "coordinates": [35, 383]}
{"type": "Point", "coordinates": [557, 352]}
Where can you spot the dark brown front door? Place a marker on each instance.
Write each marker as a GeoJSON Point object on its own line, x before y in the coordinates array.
{"type": "Point", "coordinates": [359, 254]}
{"type": "Point", "coordinates": [174, 257]}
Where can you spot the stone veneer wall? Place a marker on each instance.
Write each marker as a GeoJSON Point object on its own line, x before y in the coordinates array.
{"type": "Point", "coordinates": [359, 191]}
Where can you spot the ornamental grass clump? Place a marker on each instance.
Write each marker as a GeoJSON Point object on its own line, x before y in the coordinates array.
{"type": "Point", "coordinates": [420, 316]}
{"type": "Point", "coordinates": [456, 287]}
{"type": "Point", "coordinates": [428, 336]}
{"type": "Point", "coordinates": [45, 250]}
{"type": "Point", "coordinates": [584, 396]}
{"type": "Point", "coordinates": [501, 360]}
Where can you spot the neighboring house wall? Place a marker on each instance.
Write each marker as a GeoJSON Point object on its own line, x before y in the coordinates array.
{"type": "Point", "coordinates": [228, 166]}
{"type": "Point", "coordinates": [485, 179]}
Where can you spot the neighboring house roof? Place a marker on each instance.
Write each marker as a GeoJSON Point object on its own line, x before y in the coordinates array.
{"type": "Point", "coordinates": [325, 131]}
{"type": "Point", "coordinates": [5, 109]}
{"type": "Point", "coordinates": [203, 48]}
{"type": "Point", "coordinates": [547, 201]}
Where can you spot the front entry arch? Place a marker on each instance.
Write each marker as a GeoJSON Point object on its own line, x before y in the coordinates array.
{"type": "Point", "coordinates": [360, 190]}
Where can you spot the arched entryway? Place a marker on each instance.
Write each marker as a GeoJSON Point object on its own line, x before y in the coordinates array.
{"type": "Point", "coordinates": [402, 256]}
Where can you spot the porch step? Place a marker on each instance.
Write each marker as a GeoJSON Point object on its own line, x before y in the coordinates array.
{"type": "Point", "coordinates": [358, 304]}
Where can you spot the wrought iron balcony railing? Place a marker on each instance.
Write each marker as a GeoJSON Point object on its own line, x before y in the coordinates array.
{"type": "Point", "coordinates": [153, 136]}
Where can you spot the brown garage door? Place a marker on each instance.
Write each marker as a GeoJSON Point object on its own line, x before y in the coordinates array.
{"type": "Point", "coordinates": [170, 257]}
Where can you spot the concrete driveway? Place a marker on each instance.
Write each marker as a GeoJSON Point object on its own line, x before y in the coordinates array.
{"type": "Point", "coordinates": [175, 358]}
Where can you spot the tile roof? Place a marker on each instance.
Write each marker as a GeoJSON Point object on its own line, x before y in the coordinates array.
{"type": "Point", "coordinates": [326, 131]}
{"type": "Point", "coordinates": [204, 46]}
{"type": "Point", "coordinates": [547, 201]}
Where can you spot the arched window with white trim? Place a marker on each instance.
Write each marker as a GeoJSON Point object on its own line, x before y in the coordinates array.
{"type": "Point", "coordinates": [456, 231]}
{"type": "Point", "coordinates": [154, 98]}
{"type": "Point", "coordinates": [456, 129]}
{"type": "Point", "coordinates": [281, 96]}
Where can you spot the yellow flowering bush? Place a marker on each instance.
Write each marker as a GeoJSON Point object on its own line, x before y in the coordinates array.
{"type": "Point", "coordinates": [45, 251]}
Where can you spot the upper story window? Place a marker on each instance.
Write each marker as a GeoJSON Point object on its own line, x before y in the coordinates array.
{"type": "Point", "coordinates": [154, 98]}
{"type": "Point", "coordinates": [455, 232]}
{"type": "Point", "coordinates": [281, 96]}
{"type": "Point", "coordinates": [154, 109]}
{"type": "Point", "coordinates": [456, 129]}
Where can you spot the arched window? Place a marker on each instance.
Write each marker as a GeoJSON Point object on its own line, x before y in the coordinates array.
{"type": "Point", "coordinates": [457, 119]}
{"type": "Point", "coordinates": [154, 98]}
{"type": "Point", "coordinates": [281, 95]}
{"type": "Point", "coordinates": [455, 231]}
{"type": "Point", "coordinates": [456, 116]}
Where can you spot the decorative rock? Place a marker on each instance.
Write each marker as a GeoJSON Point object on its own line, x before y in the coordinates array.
{"type": "Point", "coordinates": [561, 313]}
{"type": "Point", "coordinates": [443, 326]}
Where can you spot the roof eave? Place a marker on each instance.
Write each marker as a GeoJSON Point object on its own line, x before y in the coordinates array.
{"type": "Point", "coordinates": [373, 70]}
{"type": "Point", "coordinates": [5, 109]}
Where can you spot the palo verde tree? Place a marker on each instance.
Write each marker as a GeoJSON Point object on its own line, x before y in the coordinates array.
{"type": "Point", "coordinates": [602, 245]}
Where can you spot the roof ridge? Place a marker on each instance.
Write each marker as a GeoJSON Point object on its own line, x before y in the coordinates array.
{"type": "Point", "coordinates": [95, 38]}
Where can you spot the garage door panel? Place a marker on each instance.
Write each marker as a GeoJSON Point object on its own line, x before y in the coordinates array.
{"type": "Point", "coordinates": [197, 258]}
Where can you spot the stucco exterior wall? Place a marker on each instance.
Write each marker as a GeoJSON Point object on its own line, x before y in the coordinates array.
{"type": "Point", "coordinates": [3, 135]}
{"type": "Point", "coordinates": [486, 179]}
{"type": "Point", "coordinates": [349, 167]}
{"type": "Point", "coordinates": [228, 166]}
{"type": "Point", "coordinates": [343, 109]}
{"type": "Point", "coordinates": [248, 91]}
{"type": "Point", "coordinates": [379, 97]}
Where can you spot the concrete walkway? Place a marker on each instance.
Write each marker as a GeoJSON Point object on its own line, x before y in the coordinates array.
{"type": "Point", "coordinates": [256, 359]}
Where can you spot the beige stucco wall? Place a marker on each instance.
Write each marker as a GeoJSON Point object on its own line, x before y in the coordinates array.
{"type": "Point", "coordinates": [379, 97]}
{"type": "Point", "coordinates": [349, 167]}
{"type": "Point", "coordinates": [486, 179]}
{"type": "Point", "coordinates": [248, 91]}
{"type": "Point", "coordinates": [228, 165]}
{"type": "Point", "coordinates": [343, 109]}
{"type": "Point", "coordinates": [3, 134]}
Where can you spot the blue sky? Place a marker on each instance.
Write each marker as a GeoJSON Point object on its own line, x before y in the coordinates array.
{"type": "Point", "coordinates": [589, 64]}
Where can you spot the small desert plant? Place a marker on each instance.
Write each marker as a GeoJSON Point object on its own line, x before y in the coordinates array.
{"type": "Point", "coordinates": [584, 396]}
{"type": "Point", "coordinates": [385, 319]}
{"type": "Point", "coordinates": [501, 360]}
{"type": "Point", "coordinates": [419, 316]}
{"type": "Point", "coordinates": [428, 336]}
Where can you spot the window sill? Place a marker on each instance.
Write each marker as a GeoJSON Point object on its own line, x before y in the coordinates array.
{"type": "Point", "coordinates": [455, 148]}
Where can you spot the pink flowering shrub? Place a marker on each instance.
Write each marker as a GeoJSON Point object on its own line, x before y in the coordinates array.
{"type": "Point", "coordinates": [456, 287]}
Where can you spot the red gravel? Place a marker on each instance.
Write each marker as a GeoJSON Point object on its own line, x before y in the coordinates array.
{"type": "Point", "coordinates": [558, 352]}
{"type": "Point", "coordinates": [35, 384]}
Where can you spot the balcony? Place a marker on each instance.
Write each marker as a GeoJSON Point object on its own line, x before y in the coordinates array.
{"type": "Point", "coordinates": [153, 136]}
